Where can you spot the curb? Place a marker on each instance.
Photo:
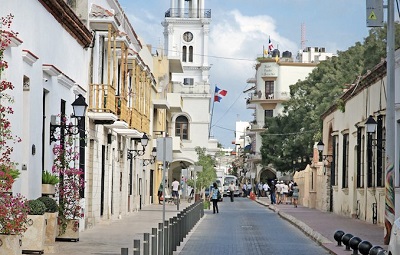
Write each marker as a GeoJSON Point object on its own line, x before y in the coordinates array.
{"type": "Point", "coordinates": [316, 236]}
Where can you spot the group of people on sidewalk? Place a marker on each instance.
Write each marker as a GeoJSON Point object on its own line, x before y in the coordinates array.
{"type": "Point", "coordinates": [284, 192]}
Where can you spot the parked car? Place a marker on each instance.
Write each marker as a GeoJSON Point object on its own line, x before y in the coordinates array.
{"type": "Point", "coordinates": [394, 244]}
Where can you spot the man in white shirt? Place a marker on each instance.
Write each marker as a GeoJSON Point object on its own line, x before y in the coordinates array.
{"type": "Point", "coordinates": [175, 189]}
{"type": "Point", "coordinates": [266, 188]}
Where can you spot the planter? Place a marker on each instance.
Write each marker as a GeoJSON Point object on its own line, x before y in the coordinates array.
{"type": "Point", "coordinates": [48, 189]}
{"type": "Point", "coordinates": [33, 238]}
{"type": "Point", "coordinates": [71, 232]}
{"type": "Point", "coordinates": [51, 228]}
{"type": "Point", "coordinates": [10, 244]}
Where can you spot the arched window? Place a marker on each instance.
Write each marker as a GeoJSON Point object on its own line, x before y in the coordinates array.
{"type": "Point", "coordinates": [190, 53]}
{"type": "Point", "coordinates": [184, 52]}
{"type": "Point", "coordinates": [182, 128]}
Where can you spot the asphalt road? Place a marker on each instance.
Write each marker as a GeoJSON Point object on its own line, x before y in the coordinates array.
{"type": "Point", "coordinates": [245, 227]}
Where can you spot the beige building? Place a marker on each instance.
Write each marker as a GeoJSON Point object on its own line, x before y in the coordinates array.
{"type": "Point", "coordinates": [350, 178]}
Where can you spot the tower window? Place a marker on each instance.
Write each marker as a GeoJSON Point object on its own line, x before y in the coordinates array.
{"type": "Point", "coordinates": [190, 53]}
{"type": "Point", "coordinates": [182, 128]}
{"type": "Point", "coordinates": [184, 52]}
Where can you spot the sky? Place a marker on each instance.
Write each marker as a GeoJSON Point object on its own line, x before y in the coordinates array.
{"type": "Point", "coordinates": [240, 29]}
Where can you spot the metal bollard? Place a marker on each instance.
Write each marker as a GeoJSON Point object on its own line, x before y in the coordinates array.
{"type": "Point", "coordinates": [175, 233]}
{"type": "Point", "coordinates": [146, 244]}
{"type": "Point", "coordinates": [160, 239]}
{"type": "Point", "coordinates": [154, 241]}
{"type": "Point", "coordinates": [376, 250]}
{"type": "Point", "coordinates": [345, 239]}
{"type": "Point", "coordinates": [171, 237]}
{"type": "Point", "coordinates": [124, 251]}
{"type": "Point", "coordinates": [178, 226]}
{"type": "Point", "coordinates": [364, 247]}
{"type": "Point", "coordinates": [353, 243]}
{"type": "Point", "coordinates": [166, 242]}
{"type": "Point", "coordinates": [338, 237]}
{"type": "Point", "coordinates": [136, 247]}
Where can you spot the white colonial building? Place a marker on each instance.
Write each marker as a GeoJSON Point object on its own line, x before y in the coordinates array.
{"type": "Point", "coordinates": [186, 32]}
{"type": "Point", "coordinates": [272, 81]}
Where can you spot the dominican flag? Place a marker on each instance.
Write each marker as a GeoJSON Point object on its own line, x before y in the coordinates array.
{"type": "Point", "coordinates": [270, 46]}
{"type": "Point", "coordinates": [219, 93]}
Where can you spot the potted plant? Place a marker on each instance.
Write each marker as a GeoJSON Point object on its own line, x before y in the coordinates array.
{"type": "Point", "coordinates": [33, 238]}
{"type": "Point", "coordinates": [13, 222]}
{"type": "Point", "coordinates": [49, 182]}
{"type": "Point", "coordinates": [51, 216]}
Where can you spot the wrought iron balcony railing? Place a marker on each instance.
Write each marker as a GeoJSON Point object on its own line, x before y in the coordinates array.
{"type": "Point", "coordinates": [188, 13]}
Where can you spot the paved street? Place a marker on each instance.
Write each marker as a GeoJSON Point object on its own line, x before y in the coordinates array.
{"type": "Point", "coordinates": [245, 227]}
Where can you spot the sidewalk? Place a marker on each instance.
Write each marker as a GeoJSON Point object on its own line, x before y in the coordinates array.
{"type": "Point", "coordinates": [108, 238]}
{"type": "Point", "coordinates": [321, 226]}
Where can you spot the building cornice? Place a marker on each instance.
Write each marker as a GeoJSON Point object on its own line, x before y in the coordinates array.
{"type": "Point", "coordinates": [68, 19]}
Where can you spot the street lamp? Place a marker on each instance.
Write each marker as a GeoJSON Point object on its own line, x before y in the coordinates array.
{"type": "Point", "coordinates": [371, 124]}
{"type": "Point", "coordinates": [79, 108]}
{"type": "Point", "coordinates": [134, 153]}
{"type": "Point", "coordinates": [320, 147]}
{"type": "Point", "coordinates": [152, 159]}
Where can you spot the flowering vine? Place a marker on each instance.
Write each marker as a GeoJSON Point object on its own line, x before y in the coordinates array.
{"type": "Point", "coordinates": [13, 209]}
{"type": "Point", "coordinates": [71, 182]}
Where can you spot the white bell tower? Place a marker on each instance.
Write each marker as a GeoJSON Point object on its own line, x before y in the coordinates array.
{"type": "Point", "coordinates": [186, 36]}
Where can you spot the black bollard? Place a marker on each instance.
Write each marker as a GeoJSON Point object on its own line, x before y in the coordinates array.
{"type": "Point", "coordinates": [154, 241]}
{"type": "Point", "coordinates": [338, 237]}
{"type": "Point", "coordinates": [136, 247]}
{"type": "Point", "coordinates": [345, 240]}
{"type": "Point", "coordinates": [353, 243]}
{"type": "Point", "coordinates": [364, 247]}
{"type": "Point", "coordinates": [376, 250]}
{"type": "Point", "coordinates": [146, 244]}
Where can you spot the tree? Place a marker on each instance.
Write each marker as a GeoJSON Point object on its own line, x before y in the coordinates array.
{"type": "Point", "coordinates": [208, 175]}
{"type": "Point", "coordinates": [291, 136]}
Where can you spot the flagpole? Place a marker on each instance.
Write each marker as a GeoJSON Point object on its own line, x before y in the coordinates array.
{"type": "Point", "coordinates": [263, 51]}
{"type": "Point", "coordinates": [212, 112]}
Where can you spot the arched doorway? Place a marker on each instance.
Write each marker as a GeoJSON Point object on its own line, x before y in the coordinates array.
{"type": "Point", "coordinates": [267, 175]}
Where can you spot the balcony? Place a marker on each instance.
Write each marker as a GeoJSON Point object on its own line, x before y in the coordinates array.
{"type": "Point", "coordinates": [270, 100]}
{"type": "Point", "coordinates": [256, 128]}
{"type": "Point", "coordinates": [102, 102]}
{"type": "Point", "coordinates": [188, 13]}
{"type": "Point", "coordinates": [198, 88]}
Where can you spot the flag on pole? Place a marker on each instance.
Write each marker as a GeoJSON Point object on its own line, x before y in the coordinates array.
{"type": "Point", "coordinates": [219, 93]}
{"type": "Point", "coordinates": [270, 46]}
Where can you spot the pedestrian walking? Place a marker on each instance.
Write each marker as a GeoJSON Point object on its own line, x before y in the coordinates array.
{"type": "Point", "coordinates": [273, 192]}
{"type": "Point", "coordinates": [231, 189]}
{"type": "Point", "coordinates": [295, 195]}
{"type": "Point", "coordinates": [244, 189]}
{"type": "Point", "coordinates": [279, 192]}
{"type": "Point", "coordinates": [175, 190]}
{"type": "Point", "coordinates": [160, 192]}
{"type": "Point", "coordinates": [259, 189]}
{"type": "Point", "coordinates": [214, 197]}
{"type": "Point", "coordinates": [266, 189]}
{"type": "Point", "coordinates": [285, 193]}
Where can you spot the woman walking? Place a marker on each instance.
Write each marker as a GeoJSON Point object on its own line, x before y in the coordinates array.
{"type": "Point", "coordinates": [295, 195]}
{"type": "Point", "coordinates": [214, 197]}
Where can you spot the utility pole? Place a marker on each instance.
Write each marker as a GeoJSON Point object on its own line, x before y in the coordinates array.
{"type": "Point", "coordinates": [374, 17]}
{"type": "Point", "coordinates": [390, 126]}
